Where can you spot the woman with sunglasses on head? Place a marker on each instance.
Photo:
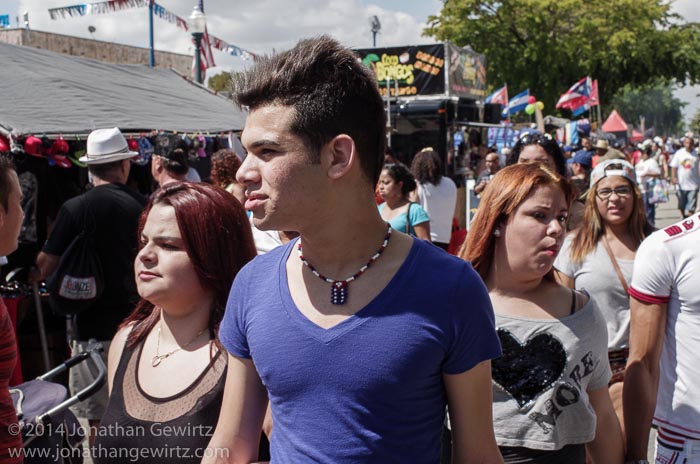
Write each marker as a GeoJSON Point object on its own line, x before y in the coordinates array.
{"type": "Point", "coordinates": [538, 148]}
{"type": "Point", "coordinates": [550, 396]}
{"type": "Point", "coordinates": [599, 256]}
{"type": "Point", "coordinates": [166, 369]}
{"type": "Point", "coordinates": [395, 184]}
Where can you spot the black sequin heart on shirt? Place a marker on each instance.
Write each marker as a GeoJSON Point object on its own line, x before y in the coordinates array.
{"type": "Point", "coordinates": [527, 370]}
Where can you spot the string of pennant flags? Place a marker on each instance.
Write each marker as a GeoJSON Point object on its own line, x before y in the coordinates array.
{"type": "Point", "coordinates": [158, 10]}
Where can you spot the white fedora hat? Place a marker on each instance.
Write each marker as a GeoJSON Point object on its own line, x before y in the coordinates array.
{"type": "Point", "coordinates": [106, 146]}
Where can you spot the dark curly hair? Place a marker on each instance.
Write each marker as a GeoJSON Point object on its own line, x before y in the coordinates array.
{"type": "Point", "coordinates": [224, 165]}
{"type": "Point", "coordinates": [6, 165]}
{"type": "Point", "coordinates": [427, 166]}
{"type": "Point", "coordinates": [400, 173]}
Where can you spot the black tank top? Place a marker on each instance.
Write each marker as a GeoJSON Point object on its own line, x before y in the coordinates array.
{"type": "Point", "coordinates": [139, 428]}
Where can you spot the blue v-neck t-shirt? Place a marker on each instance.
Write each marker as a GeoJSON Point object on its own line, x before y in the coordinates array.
{"type": "Point", "coordinates": [369, 389]}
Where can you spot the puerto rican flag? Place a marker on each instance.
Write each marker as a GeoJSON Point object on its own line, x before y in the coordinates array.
{"type": "Point", "coordinates": [499, 96]}
{"type": "Point", "coordinates": [577, 96]}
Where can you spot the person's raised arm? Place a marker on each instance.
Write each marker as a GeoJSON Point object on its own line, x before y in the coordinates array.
{"type": "Point", "coordinates": [607, 445]}
{"type": "Point", "coordinates": [647, 325]}
{"type": "Point", "coordinates": [469, 399]}
{"type": "Point", "coordinates": [237, 435]}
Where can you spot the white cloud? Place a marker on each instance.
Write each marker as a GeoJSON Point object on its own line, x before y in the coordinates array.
{"type": "Point", "coordinates": [260, 26]}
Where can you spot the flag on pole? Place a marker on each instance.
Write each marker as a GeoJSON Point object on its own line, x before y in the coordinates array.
{"type": "Point", "coordinates": [577, 95]}
{"type": "Point", "coordinates": [581, 109]}
{"type": "Point", "coordinates": [499, 96]}
{"type": "Point", "coordinates": [206, 58]}
{"type": "Point", "coordinates": [517, 103]}
{"type": "Point", "coordinates": [594, 100]}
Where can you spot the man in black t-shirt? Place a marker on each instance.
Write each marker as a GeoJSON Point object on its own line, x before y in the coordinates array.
{"type": "Point", "coordinates": [114, 209]}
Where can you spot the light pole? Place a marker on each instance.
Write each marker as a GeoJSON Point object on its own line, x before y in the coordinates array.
{"type": "Point", "coordinates": [375, 26]}
{"type": "Point", "coordinates": [197, 24]}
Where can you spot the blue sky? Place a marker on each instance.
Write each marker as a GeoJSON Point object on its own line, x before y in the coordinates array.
{"type": "Point", "coordinates": [263, 26]}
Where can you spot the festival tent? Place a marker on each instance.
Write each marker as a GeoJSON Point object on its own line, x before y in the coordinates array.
{"type": "Point", "coordinates": [614, 123]}
{"type": "Point", "coordinates": [636, 136]}
{"type": "Point", "coordinates": [46, 93]}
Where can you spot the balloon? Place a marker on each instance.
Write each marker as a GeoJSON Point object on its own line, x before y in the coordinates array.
{"type": "Point", "coordinates": [529, 109]}
{"type": "Point", "coordinates": [531, 99]}
{"type": "Point", "coordinates": [540, 105]}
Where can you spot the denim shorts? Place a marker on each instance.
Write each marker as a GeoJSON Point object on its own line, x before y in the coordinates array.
{"type": "Point", "coordinates": [687, 200]}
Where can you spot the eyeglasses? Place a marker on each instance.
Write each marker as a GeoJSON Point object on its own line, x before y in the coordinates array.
{"type": "Point", "coordinates": [622, 192]}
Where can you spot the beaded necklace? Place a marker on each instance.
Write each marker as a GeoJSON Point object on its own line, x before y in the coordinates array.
{"type": "Point", "coordinates": [339, 288]}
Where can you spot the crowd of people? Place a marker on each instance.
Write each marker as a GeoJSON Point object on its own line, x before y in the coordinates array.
{"type": "Point", "coordinates": [564, 328]}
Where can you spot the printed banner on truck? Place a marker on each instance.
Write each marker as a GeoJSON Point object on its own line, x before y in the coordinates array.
{"type": "Point", "coordinates": [413, 70]}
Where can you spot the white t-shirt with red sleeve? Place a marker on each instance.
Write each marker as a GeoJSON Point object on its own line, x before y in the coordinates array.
{"type": "Point", "coordinates": [667, 270]}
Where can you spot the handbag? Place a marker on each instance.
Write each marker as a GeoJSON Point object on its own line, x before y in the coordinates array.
{"type": "Point", "coordinates": [659, 191]}
{"type": "Point", "coordinates": [78, 280]}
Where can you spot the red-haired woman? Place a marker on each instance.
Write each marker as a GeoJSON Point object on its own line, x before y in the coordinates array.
{"type": "Point", "coordinates": [166, 367]}
{"type": "Point", "coordinates": [550, 395]}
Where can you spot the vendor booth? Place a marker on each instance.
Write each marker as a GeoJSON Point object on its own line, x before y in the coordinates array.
{"type": "Point", "coordinates": [49, 104]}
{"type": "Point", "coordinates": [433, 91]}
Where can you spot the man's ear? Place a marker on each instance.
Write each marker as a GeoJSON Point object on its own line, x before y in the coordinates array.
{"type": "Point", "coordinates": [341, 155]}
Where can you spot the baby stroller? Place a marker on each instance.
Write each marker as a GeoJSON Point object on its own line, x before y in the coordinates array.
{"type": "Point", "coordinates": [51, 433]}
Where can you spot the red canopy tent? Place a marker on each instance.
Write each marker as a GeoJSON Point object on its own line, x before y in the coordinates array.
{"type": "Point", "coordinates": [636, 136]}
{"type": "Point", "coordinates": [614, 123]}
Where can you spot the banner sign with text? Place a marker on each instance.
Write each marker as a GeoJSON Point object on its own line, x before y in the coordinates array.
{"type": "Point", "coordinates": [419, 70]}
{"type": "Point", "coordinates": [467, 72]}
{"type": "Point", "coordinates": [422, 69]}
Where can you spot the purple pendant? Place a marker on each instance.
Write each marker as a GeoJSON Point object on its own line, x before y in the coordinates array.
{"type": "Point", "coordinates": [339, 292]}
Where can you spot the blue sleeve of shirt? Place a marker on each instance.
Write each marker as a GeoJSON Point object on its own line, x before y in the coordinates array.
{"type": "Point", "coordinates": [232, 331]}
{"type": "Point", "coordinates": [474, 337]}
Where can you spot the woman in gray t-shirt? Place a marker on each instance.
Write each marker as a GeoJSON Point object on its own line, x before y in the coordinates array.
{"type": "Point", "coordinates": [599, 255]}
{"type": "Point", "coordinates": [550, 396]}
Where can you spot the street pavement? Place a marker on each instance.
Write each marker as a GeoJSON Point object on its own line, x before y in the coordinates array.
{"type": "Point", "coordinates": [667, 213]}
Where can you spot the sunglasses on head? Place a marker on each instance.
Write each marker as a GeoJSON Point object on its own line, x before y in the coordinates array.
{"type": "Point", "coordinates": [532, 138]}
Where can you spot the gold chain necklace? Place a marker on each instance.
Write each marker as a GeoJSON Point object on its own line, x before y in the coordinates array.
{"type": "Point", "coordinates": [158, 358]}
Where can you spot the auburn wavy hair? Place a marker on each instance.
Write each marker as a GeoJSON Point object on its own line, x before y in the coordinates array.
{"type": "Point", "coordinates": [217, 238]}
{"type": "Point", "coordinates": [508, 189]}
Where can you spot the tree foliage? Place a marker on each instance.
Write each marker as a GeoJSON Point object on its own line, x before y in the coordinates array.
{"type": "Point", "coordinates": [547, 45]}
{"type": "Point", "coordinates": [655, 103]}
{"type": "Point", "coordinates": [222, 82]}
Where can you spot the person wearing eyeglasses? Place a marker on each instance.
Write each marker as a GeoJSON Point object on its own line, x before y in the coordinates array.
{"type": "Point", "coordinates": [599, 255]}
{"type": "Point", "coordinates": [539, 148]}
